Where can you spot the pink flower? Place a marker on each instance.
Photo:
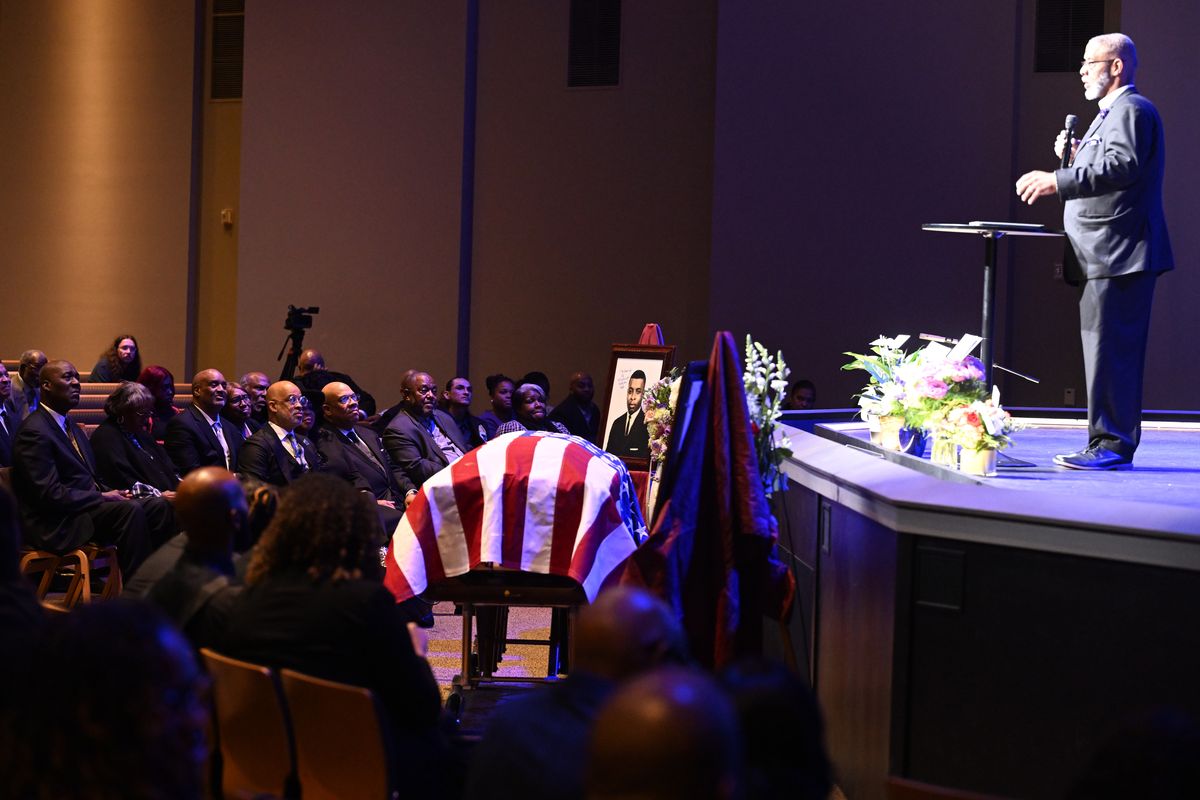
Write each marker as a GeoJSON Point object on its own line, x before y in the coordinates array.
{"type": "Point", "coordinates": [932, 387]}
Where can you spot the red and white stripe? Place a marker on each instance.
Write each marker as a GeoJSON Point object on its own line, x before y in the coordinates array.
{"type": "Point", "coordinates": [529, 501]}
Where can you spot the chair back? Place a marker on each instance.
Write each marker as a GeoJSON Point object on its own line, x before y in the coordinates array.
{"type": "Point", "coordinates": [341, 744]}
{"type": "Point", "coordinates": [257, 752]}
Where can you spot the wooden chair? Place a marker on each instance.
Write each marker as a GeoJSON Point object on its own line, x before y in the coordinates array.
{"type": "Point", "coordinates": [341, 743]}
{"type": "Point", "coordinates": [257, 751]}
{"type": "Point", "coordinates": [97, 563]}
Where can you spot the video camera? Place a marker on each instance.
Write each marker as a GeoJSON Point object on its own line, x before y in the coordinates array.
{"type": "Point", "coordinates": [299, 319]}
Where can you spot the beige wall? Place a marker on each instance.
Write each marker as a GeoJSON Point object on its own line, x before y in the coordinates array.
{"type": "Point", "coordinates": [592, 210]}
{"type": "Point", "coordinates": [351, 152]}
{"type": "Point", "coordinates": [96, 104]}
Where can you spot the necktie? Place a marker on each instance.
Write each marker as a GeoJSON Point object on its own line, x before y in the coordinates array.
{"type": "Point", "coordinates": [75, 444]}
{"type": "Point", "coordinates": [629, 425]}
{"type": "Point", "coordinates": [362, 446]}
{"type": "Point", "coordinates": [297, 451]}
{"type": "Point", "coordinates": [4, 420]}
{"type": "Point", "coordinates": [216, 426]}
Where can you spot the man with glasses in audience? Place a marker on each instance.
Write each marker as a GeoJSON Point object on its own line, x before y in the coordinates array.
{"type": "Point", "coordinates": [255, 384]}
{"type": "Point", "coordinates": [275, 454]}
{"type": "Point", "coordinates": [238, 407]}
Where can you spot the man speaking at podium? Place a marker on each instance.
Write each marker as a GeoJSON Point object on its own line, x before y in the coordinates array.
{"type": "Point", "coordinates": [1111, 185]}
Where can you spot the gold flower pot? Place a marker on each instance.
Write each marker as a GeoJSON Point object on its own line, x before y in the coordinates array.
{"type": "Point", "coordinates": [978, 462]}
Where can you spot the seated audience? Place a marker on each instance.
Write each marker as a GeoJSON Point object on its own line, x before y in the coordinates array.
{"type": "Point", "coordinates": [26, 385]}
{"type": "Point", "coordinates": [354, 452]}
{"type": "Point", "coordinates": [9, 417]}
{"type": "Point", "coordinates": [312, 376]}
{"type": "Point", "coordinates": [120, 362]}
{"type": "Point", "coordinates": [456, 401]}
{"type": "Point", "coordinates": [276, 454]}
{"type": "Point", "coordinates": [535, 746]}
{"type": "Point", "coordinates": [314, 602]}
{"type": "Point", "coordinates": [529, 409]}
{"type": "Point", "coordinates": [195, 437]}
{"type": "Point", "coordinates": [769, 698]}
{"type": "Point", "coordinates": [255, 384]}
{"type": "Point", "coordinates": [199, 591]}
{"type": "Point", "coordinates": [577, 412]}
{"type": "Point", "coordinates": [63, 505]}
{"type": "Point", "coordinates": [670, 734]}
{"type": "Point", "coordinates": [126, 454]}
{"type": "Point", "coordinates": [420, 439]}
{"type": "Point", "coordinates": [237, 410]}
{"type": "Point", "coordinates": [161, 384]}
{"type": "Point", "coordinates": [500, 389]}
{"type": "Point", "coordinates": [118, 709]}
{"type": "Point", "coordinates": [801, 396]}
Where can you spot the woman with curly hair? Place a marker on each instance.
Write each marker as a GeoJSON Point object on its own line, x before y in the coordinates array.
{"type": "Point", "coordinates": [314, 602]}
{"type": "Point", "coordinates": [161, 384]}
{"type": "Point", "coordinates": [121, 362]}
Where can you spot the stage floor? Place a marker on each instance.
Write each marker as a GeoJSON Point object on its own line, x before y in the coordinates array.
{"type": "Point", "coordinates": [1166, 469]}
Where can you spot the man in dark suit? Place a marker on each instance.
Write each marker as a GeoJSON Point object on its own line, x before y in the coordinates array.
{"type": "Point", "coordinates": [63, 506]}
{"type": "Point", "coordinates": [237, 410]}
{"type": "Point", "coordinates": [628, 435]}
{"type": "Point", "coordinates": [26, 383]}
{"type": "Point", "coordinates": [1114, 220]}
{"type": "Point", "coordinates": [197, 437]}
{"type": "Point", "coordinates": [420, 439]}
{"type": "Point", "coordinates": [275, 454]}
{"type": "Point", "coordinates": [577, 412]}
{"type": "Point", "coordinates": [9, 418]}
{"type": "Point", "coordinates": [355, 452]}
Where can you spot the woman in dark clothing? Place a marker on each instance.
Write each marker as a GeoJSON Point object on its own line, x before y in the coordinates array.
{"type": "Point", "coordinates": [121, 362]}
{"type": "Point", "coordinates": [315, 602]}
{"type": "Point", "coordinates": [500, 388]}
{"type": "Point", "coordinates": [529, 412]}
{"type": "Point", "coordinates": [161, 384]}
{"type": "Point", "coordinates": [126, 453]}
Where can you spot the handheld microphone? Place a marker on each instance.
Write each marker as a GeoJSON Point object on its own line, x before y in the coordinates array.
{"type": "Point", "coordinates": [1069, 130]}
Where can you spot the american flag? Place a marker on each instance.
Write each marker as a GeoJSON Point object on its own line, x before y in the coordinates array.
{"type": "Point", "coordinates": [532, 501]}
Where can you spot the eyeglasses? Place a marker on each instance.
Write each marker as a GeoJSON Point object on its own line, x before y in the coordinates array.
{"type": "Point", "coordinates": [1085, 63]}
{"type": "Point", "coordinates": [293, 400]}
{"type": "Point", "coordinates": [346, 400]}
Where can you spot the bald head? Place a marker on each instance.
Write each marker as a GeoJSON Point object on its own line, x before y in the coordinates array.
{"type": "Point", "coordinates": [310, 360]}
{"type": "Point", "coordinates": [340, 405]}
{"type": "Point", "coordinates": [667, 734]}
{"type": "Point", "coordinates": [31, 365]}
{"type": "Point", "coordinates": [418, 393]}
{"type": "Point", "coordinates": [209, 391]}
{"type": "Point", "coordinates": [1118, 45]}
{"type": "Point", "coordinates": [283, 404]}
{"type": "Point", "coordinates": [255, 384]}
{"type": "Point", "coordinates": [582, 387]}
{"type": "Point", "coordinates": [60, 385]}
{"type": "Point", "coordinates": [211, 508]}
{"type": "Point", "coordinates": [626, 631]}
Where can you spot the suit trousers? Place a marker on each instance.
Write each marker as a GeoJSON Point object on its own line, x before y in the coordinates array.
{"type": "Point", "coordinates": [1114, 324]}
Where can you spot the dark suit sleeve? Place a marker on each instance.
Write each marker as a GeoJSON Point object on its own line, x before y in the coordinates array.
{"type": "Point", "coordinates": [114, 467]}
{"type": "Point", "coordinates": [255, 460]}
{"type": "Point", "coordinates": [37, 474]}
{"type": "Point", "coordinates": [1129, 132]}
{"type": "Point", "coordinates": [409, 467]}
{"type": "Point", "coordinates": [181, 445]}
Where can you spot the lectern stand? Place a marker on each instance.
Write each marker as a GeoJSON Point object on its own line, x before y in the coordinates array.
{"type": "Point", "coordinates": [991, 233]}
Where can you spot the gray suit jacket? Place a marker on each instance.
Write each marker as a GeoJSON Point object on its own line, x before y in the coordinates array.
{"type": "Point", "coordinates": [1113, 211]}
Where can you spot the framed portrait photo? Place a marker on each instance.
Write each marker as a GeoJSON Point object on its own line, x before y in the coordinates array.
{"type": "Point", "coordinates": [634, 368]}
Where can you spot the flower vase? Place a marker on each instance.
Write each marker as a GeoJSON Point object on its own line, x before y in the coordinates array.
{"type": "Point", "coordinates": [874, 428]}
{"type": "Point", "coordinates": [978, 462]}
{"type": "Point", "coordinates": [944, 452]}
{"type": "Point", "coordinates": [889, 432]}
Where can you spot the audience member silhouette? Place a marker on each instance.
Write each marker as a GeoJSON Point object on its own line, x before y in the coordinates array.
{"type": "Point", "coordinates": [420, 439]}
{"type": "Point", "coordinates": [122, 361]}
{"type": "Point", "coordinates": [577, 411]}
{"type": "Point", "coordinates": [126, 453]}
{"type": "Point", "coordinates": [199, 591]}
{"type": "Point", "coordinates": [120, 712]}
{"type": "Point", "coordinates": [161, 384]}
{"type": "Point", "coordinates": [9, 417]}
{"type": "Point", "coordinates": [783, 736]}
{"type": "Point", "coordinates": [456, 401]}
{"type": "Point", "coordinates": [801, 396]}
{"type": "Point", "coordinates": [315, 602]}
{"type": "Point", "coordinates": [312, 376]}
{"type": "Point", "coordinates": [535, 746]}
{"type": "Point", "coordinates": [670, 734]}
